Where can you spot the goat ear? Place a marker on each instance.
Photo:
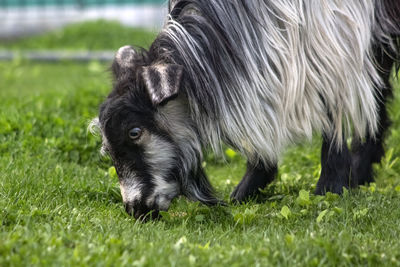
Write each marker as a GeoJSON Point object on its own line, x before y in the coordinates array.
{"type": "Point", "coordinates": [123, 61]}
{"type": "Point", "coordinates": [162, 82]}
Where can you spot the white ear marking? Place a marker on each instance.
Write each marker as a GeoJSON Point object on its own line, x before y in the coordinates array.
{"type": "Point", "coordinates": [162, 81]}
{"type": "Point", "coordinates": [124, 56]}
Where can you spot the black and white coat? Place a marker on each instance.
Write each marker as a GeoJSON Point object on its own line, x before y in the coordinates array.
{"type": "Point", "coordinates": [258, 75]}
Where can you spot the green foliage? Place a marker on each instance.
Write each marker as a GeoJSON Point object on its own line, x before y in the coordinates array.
{"type": "Point", "coordinates": [304, 198]}
{"type": "Point", "coordinates": [61, 205]}
{"type": "Point", "coordinates": [285, 212]}
{"type": "Point", "coordinates": [247, 216]}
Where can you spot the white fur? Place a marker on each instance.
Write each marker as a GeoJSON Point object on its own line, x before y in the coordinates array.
{"type": "Point", "coordinates": [125, 56]}
{"type": "Point", "coordinates": [161, 69]}
{"type": "Point", "coordinates": [159, 154]}
{"type": "Point", "coordinates": [174, 118]}
{"type": "Point", "coordinates": [95, 129]}
{"type": "Point", "coordinates": [94, 126]}
{"type": "Point", "coordinates": [131, 190]}
{"type": "Point", "coordinates": [307, 68]}
{"type": "Point", "coordinates": [164, 192]}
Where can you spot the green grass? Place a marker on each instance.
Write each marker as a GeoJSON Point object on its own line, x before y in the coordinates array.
{"type": "Point", "coordinates": [61, 206]}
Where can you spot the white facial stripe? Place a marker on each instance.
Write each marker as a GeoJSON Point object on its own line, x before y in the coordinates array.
{"type": "Point", "coordinates": [131, 190]}
{"type": "Point", "coordinates": [159, 155]}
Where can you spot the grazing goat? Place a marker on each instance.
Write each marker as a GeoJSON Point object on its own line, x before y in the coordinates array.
{"type": "Point", "coordinates": [257, 75]}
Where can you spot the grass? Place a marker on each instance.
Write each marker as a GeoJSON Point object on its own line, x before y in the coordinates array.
{"type": "Point", "coordinates": [60, 204]}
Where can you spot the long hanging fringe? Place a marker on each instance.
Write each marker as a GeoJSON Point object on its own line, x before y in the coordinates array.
{"type": "Point", "coordinates": [261, 74]}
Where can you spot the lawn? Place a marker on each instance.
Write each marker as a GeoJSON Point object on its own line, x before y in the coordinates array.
{"type": "Point", "coordinates": [60, 203]}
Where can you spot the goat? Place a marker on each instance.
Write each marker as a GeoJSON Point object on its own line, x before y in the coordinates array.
{"type": "Point", "coordinates": [257, 75]}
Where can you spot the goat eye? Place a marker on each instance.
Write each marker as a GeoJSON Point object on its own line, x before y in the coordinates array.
{"type": "Point", "coordinates": [135, 133]}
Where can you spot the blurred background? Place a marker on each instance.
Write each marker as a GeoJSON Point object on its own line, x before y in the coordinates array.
{"type": "Point", "coordinates": [28, 17]}
{"type": "Point", "coordinates": [77, 30]}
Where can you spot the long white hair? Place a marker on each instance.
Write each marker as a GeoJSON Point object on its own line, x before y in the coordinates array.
{"type": "Point", "coordinates": [262, 74]}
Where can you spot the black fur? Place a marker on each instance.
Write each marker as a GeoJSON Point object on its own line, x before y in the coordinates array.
{"type": "Point", "coordinates": [342, 168]}
{"type": "Point", "coordinates": [256, 178]}
{"type": "Point", "coordinates": [364, 154]}
{"type": "Point", "coordinates": [335, 168]}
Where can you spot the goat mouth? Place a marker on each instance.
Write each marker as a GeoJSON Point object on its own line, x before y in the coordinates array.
{"type": "Point", "coordinates": [142, 213]}
{"type": "Point", "coordinates": [152, 215]}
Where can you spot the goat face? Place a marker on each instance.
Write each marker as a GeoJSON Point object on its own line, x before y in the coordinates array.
{"type": "Point", "coordinates": [148, 133]}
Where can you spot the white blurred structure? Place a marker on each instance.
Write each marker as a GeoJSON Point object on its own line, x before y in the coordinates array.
{"type": "Point", "coordinates": [19, 21]}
